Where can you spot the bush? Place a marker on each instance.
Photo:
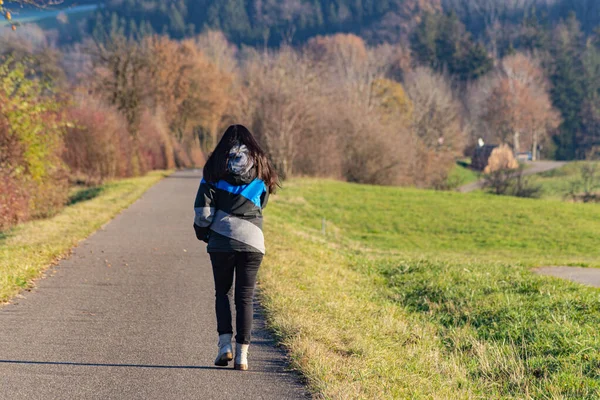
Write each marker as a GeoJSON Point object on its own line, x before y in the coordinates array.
{"type": "Point", "coordinates": [32, 174]}
{"type": "Point", "coordinates": [98, 146]}
{"type": "Point", "coordinates": [502, 158]}
{"type": "Point", "coordinates": [584, 189]}
{"type": "Point", "coordinates": [155, 142]}
{"type": "Point", "coordinates": [504, 175]}
{"type": "Point", "coordinates": [14, 201]}
{"type": "Point", "coordinates": [522, 186]}
{"type": "Point", "coordinates": [500, 170]}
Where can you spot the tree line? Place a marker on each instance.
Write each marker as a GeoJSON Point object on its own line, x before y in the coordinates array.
{"type": "Point", "coordinates": [341, 106]}
{"type": "Point", "coordinates": [271, 22]}
{"type": "Point", "coordinates": [463, 39]}
{"type": "Point", "coordinates": [333, 107]}
{"type": "Point", "coordinates": [255, 22]}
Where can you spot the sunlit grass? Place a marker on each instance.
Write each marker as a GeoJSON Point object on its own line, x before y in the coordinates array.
{"type": "Point", "coordinates": [461, 174]}
{"type": "Point", "coordinates": [422, 294]}
{"type": "Point", "coordinates": [556, 184]}
{"type": "Point", "coordinates": [29, 248]}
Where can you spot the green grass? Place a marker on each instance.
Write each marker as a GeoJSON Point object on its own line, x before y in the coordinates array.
{"type": "Point", "coordinates": [461, 174]}
{"type": "Point", "coordinates": [421, 294]}
{"type": "Point", "coordinates": [29, 248]}
{"type": "Point", "coordinates": [557, 183]}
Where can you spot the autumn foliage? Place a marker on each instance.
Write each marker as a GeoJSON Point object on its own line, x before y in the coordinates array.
{"type": "Point", "coordinates": [513, 105]}
{"type": "Point", "coordinates": [502, 158]}
{"type": "Point", "coordinates": [33, 178]}
{"type": "Point", "coordinates": [97, 144]}
{"type": "Point", "coordinates": [334, 107]}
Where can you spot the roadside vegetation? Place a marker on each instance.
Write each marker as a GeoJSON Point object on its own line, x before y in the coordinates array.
{"type": "Point", "coordinates": [422, 294]}
{"type": "Point", "coordinates": [29, 248]}
{"type": "Point", "coordinates": [462, 174]}
{"type": "Point", "coordinates": [569, 180]}
{"type": "Point", "coordinates": [577, 182]}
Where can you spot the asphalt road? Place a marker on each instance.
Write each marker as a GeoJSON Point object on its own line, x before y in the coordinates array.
{"type": "Point", "coordinates": [130, 315]}
{"type": "Point", "coordinates": [535, 167]}
{"type": "Point", "coordinates": [586, 276]}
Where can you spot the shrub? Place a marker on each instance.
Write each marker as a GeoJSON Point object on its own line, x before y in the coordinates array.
{"type": "Point", "coordinates": [522, 186]}
{"type": "Point", "coordinates": [31, 141]}
{"type": "Point", "coordinates": [155, 142]}
{"type": "Point", "coordinates": [504, 175]}
{"type": "Point", "coordinates": [98, 146]}
{"type": "Point", "coordinates": [14, 201]}
{"type": "Point", "coordinates": [502, 158]}
{"type": "Point", "coordinates": [584, 189]}
{"type": "Point", "coordinates": [500, 170]}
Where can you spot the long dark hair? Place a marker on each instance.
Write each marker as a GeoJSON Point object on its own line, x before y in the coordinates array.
{"type": "Point", "coordinates": [215, 168]}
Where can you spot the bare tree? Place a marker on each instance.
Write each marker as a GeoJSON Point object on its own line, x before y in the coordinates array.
{"type": "Point", "coordinates": [518, 107]}
{"type": "Point", "coordinates": [118, 76]}
{"type": "Point", "coordinates": [326, 111]}
{"type": "Point", "coordinates": [436, 124]}
{"type": "Point", "coordinates": [280, 101]}
{"type": "Point", "coordinates": [215, 46]}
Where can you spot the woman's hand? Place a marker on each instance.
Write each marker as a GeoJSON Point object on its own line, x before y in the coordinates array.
{"type": "Point", "coordinates": [202, 233]}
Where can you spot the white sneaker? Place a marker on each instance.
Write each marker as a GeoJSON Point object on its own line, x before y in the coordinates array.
{"type": "Point", "coordinates": [241, 357]}
{"type": "Point", "coordinates": [225, 351]}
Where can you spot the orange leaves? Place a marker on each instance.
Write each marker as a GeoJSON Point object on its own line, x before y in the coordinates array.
{"type": "Point", "coordinates": [346, 46]}
{"type": "Point", "coordinates": [502, 158]}
{"type": "Point", "coordinates": [518, 108]}
{"type": "Point", "coordinates": [189, 88]}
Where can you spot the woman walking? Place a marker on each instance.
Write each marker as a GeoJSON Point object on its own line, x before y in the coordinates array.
{"type": "Point", "coordinates": [235, 187]}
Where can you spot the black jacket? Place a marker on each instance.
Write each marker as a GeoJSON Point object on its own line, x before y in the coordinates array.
{"type": "Point", "coordinates": [228, 214]}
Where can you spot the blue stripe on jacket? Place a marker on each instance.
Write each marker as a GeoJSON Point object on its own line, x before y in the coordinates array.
{"type": "Point", "coordinates": [252, 191]}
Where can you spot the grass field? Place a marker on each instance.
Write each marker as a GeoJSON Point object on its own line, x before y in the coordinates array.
{"type": "Point", "coordinates": [557, 183]}
{"type": "Point", "coordinates": [29, 248]}
{"type": "Point", "coordinates": [461, 174]}
{"type": "Point", "coordinates": [420, 294]}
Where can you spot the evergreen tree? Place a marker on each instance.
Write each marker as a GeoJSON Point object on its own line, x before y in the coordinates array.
{"type": "Point", "coordinates": [442, 42]}
{"type": "Point", "coordinates": [424, 40]}
{"type": "Point", "coordinates": [567, 87]}
{"type": "Point", "coordinates": [234, 19]}
{"type": "Point", "coordinates": [589, 139]}
{"type": "Point", "coordinates": [533, 35]}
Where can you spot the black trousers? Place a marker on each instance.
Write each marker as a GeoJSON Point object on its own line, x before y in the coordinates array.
{"type": "Point", "coordinates": [244, 266]}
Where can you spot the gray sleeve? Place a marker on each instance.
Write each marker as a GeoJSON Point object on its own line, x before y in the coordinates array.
{"type": "Point", "coordinates": [204, 206]}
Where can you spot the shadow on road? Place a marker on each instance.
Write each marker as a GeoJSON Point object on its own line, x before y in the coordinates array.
{"type": "Point", "coordinates": [80, 364]}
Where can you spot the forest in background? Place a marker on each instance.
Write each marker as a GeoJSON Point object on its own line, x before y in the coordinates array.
{"type": "Point", "coordinates": [463, 38]}
{"type": "Point", "coordinates": [395, 103]}
{"type": "Point", "coordinates": [256, 22]}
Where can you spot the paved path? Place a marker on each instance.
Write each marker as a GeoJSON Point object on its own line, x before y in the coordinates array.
{"type": "Point", "coordinates": [535, 167]}
{"type": "Point", "coordinates": [587, 276]}
{"type": "Point", "coordinates": [130, 316]}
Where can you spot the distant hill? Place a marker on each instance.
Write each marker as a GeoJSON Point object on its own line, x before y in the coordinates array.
{"type": "Point", "coordinates": [478, 15]}
{"type": "Point", "coordinates": [256, 22]}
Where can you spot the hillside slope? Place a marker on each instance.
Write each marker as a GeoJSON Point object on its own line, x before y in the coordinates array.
{"type": "Point", "coordinates": [258, 21]}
